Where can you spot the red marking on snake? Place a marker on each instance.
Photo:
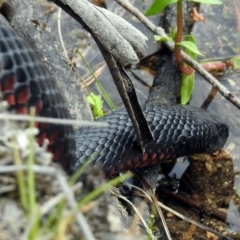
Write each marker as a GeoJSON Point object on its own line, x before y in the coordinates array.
{"type": "Point", "coordinates": [38, 106]}
{"type": "Point", "coordinates": [136, 164]}
{"type": "Point", "coordinates": [153, 156]}
{"type": "Point", "coordinates": [22, 97]}
{"type": "Point", "coordinates": [121, 166]}
{"type": "Point", "coordinates": [9, 84]}
{"type": "Point", "coordinates": [112, 172]}
{"type": "Point", "coordinates": [10, 98]}
{"type": "Point", "coordinates": [168, 156]}
{"type": "Point", "coordinates": [43, 126]}
{"type": "Point", "coordinates": [41, 137]}
{"type": "Point", "coordinates": [129, 163]}
{"type": "Point", "coordinates": [162, 156]}
{"type": "Point", "coordinates": [136, 159]}
{"type": "Point", "coordinates": [58, 152]}
{"type": "Point", "coordinates": [22, 110]}
{"type": "Point", "coordinates": [53, 136]}
{"type": "Point", "coordinates": [145, 157]}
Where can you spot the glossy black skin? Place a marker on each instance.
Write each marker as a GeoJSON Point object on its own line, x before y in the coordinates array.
{"type": "Point", "coordinates": [178, 131]}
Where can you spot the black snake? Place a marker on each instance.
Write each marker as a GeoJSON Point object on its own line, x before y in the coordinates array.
{"type": "Point", "coordinates": [178, 130]}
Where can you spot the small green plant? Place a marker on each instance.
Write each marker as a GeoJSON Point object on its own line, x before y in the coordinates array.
{"type": "Point", "coordinates": [96, 103]}
{"type": "Point", "coordinates": [176, 36]}
{"type": "Point", "coordinates": [234, 63]}
{"type": "Point", "coordinates": [98, 84]}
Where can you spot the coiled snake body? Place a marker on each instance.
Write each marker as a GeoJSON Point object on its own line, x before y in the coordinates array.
{"type": "Point", "coordinates": [178, 130]}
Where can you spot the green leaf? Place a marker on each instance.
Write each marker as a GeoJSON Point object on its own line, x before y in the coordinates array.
{"type": "Point", "coordinates": [158, 6]}
{"type": "Point", "coordinates": [173, 32]}
{"type": "Point", "coordinates": [187, 88]}
{"type": "Point", "coordinates": [238, 190]}
{"type": "Point", "coordinates": [207, 1]}
{"type": "Point", "coordinates": [190, 46]}
{"type": "Point", "coordinates": [187, 83]}
{"type": "Point", "coordinates": [191, 38]}
{"type": "Point", "coordinates": [97, 104]}
{"type": "Point", "coordinates": [235, 62]}
{"type": "Point", "coordinates": [158, 38]}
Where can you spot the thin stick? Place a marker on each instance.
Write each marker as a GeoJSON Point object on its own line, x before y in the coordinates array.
{"type": "Point", "coordinates": [155, 202]}
{"type": "Point", "coordinates": [132, 205]}
{"type": "Point", "coordinates": [206, 228]}
{"type": "Point", "coordinates": [60, 34]}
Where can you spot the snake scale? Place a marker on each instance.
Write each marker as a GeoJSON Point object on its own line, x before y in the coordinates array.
{"type": "Point", "coordinates": [178, 130]}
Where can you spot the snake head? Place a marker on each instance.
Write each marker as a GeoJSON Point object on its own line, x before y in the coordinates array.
{"type": "Point", "coordinates": [212, 133]}
{"type": "Point", "coordinates": [222, 132]}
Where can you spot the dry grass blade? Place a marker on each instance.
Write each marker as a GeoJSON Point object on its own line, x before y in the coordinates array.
{"type": "Point", "coordinates": [78, 123]}
{"type": "Point", "coordinates": [155, 202]}
{"type": "Point", "coordinates": [116, 193]}
{"type": "Point", "coordinates": [60, 35]}
{"type": "Point", "coordinates": [73, 203]}
{"type": "Point", "coordinates": [89, 80]}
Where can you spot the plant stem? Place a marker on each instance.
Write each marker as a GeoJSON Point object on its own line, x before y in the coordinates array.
{"type": "Point", "coordinates": [30, 172]}
{"type": "Point", "coordinates": [177, 48]}
{"type": "Point", "coordinates": [20, 178]}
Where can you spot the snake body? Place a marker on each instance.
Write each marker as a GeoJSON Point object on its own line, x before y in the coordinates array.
{"type": "Point", "coordinates": [26, 82]}
{"type": "Point", "coordinates": [177, 130]}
